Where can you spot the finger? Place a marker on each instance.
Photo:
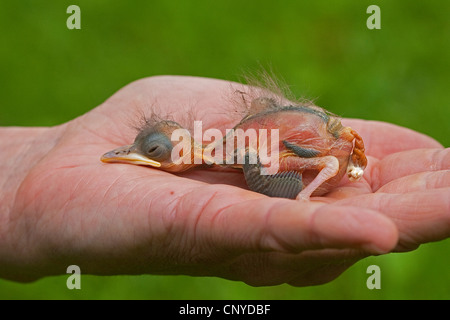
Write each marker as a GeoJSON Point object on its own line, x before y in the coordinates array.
{"type": "Point", "coordinates": [406, 163]}
{"type": "Point", "coordinates": [325, 266]}
{"type": "Point", "coordinates": [307, 268]}
{"type": "Point", "coordinates": [193, 222]}
{"type": "Point", "coordinates": [268, 224]}
{"type": "Point", "coordinates": [421, 216]}
{"type": "Point", "coordinates": [418, 182]}
{"type": "Point", "coordinates": [381, 138]}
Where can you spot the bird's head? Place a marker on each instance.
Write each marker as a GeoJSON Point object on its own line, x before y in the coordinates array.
{"type": "Point", "coordinates": [164, 144]}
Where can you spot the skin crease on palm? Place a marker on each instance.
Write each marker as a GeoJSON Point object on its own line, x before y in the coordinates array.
{"type": "Point", "coordinates": [62, 206]}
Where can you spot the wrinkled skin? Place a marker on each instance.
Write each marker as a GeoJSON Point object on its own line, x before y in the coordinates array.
{"type": "Point", "coordinates": [62, 206]}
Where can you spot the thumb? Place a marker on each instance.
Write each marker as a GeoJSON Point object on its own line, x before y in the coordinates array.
{"type": "Point", "coordinates": [270, 224]}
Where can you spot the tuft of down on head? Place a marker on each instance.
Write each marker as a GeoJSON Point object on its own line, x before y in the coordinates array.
{"type": "Point", "coordinates": [263, 91]}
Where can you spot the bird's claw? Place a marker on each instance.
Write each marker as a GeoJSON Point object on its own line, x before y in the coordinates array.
{"type": "Point", "coordinates": [354, 173]}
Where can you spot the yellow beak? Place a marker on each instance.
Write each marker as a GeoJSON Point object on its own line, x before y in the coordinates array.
{"type": "Point", "coordinates": [126, 155]}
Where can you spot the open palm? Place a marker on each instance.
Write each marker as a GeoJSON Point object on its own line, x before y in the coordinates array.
{"type": "Point", "coordinates": [124, 219]}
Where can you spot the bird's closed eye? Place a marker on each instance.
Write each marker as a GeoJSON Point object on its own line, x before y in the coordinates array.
{"type": "Point", "coordinates": [156, 146]}
{"type": "Point", "coordinates": [153, 149]}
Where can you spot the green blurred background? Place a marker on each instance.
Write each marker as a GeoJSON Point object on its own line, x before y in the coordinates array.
{"type": "Point", "coordinates": [323, 49]}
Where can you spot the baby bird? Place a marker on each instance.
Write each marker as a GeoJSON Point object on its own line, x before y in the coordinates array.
{"type": "Point", "coordinates": [313, 149]}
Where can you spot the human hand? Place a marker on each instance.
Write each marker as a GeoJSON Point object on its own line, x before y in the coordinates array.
{"type": "Point", "coordinates": [66, 207]}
